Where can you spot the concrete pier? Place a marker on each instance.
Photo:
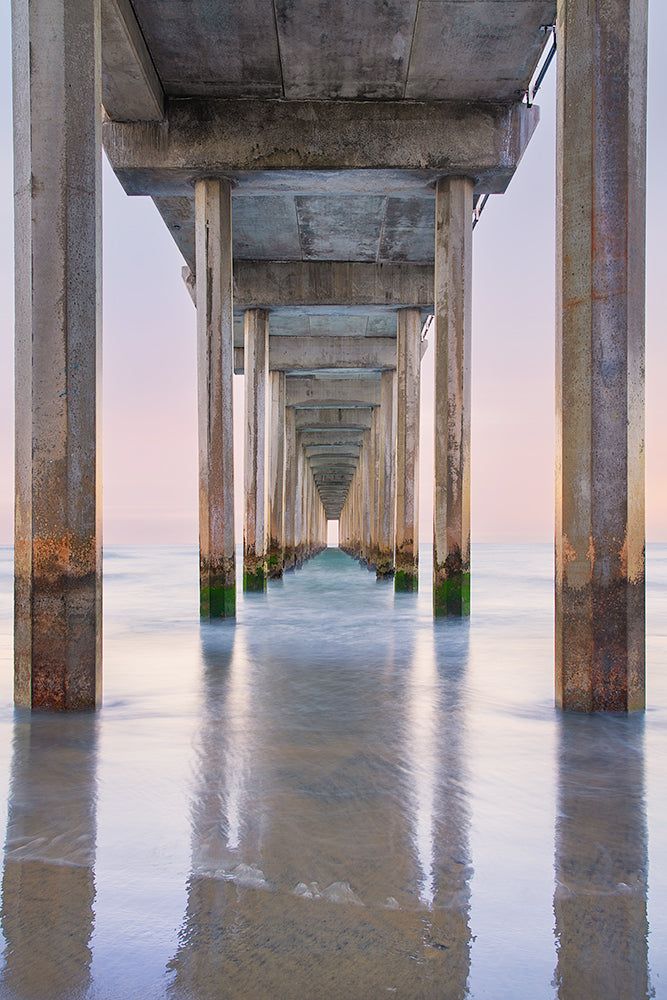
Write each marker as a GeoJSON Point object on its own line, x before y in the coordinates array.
{"type": "Point", "coordinates": [408, 362]}
{"type": "Point", "coordinates": [276, 474]}
{"type": "Point", "coordinates": [453, 298]}
{"type": "Point", "coordinates": [255, 509]}
{"type": "Point", "coordinates": [600, 356]}
{"type": "Point", "coordinates": [353, 203]}
{"type": "Point", "coordinates": [217, 559]}
{"type": "Point", "coordinates": [58, 530]}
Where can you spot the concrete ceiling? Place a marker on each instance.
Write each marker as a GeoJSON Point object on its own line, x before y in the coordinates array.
{"type": "Point", "coordinates": [422, 50]}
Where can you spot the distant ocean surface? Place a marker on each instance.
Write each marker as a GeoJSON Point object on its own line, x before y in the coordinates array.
{"type": "Point", "coordinates": [334, 797]}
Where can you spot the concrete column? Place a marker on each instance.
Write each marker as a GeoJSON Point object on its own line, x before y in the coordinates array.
{"type": "Point", "coordinates": [298, 509]}
{"type": "Point", "coordinates": [386, 505]}
{"type": "Point", "coordinates": [289, 550]}
{"type": "Point", "coordinates": [256, 379]}
{"type": "Point", "coordinates": [359, 508]}
{"type": "Point", "coordinates": [375, 493]}
{"type": "Point", "coordinates": [276, 474]}
{"type": "Point", "coordinates": [366, 501]}
{"type": "Point", "coordinates": [408, 362]}
{"type": "Point", "coordinates": [215, 367]}
{"type": "Point", "coordinates": [453, 300]}
{"type": "Point", "coordinates": [58, 530]}
{"type": "Point", "coordinates": [307, 511]}
{"type": "Point", "coordinates": [600, 355]}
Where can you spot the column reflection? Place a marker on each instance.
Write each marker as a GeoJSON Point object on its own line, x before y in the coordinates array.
{"type": "Point", "coordinates": [224, 756]}
{"type": "Point", "coordinates": [48, 883]}
{"type": "Point", "coordinates": [436, 752]}
{"type": "Point", "coordinates": [601, 860]}
{"type": "Point", "coordinates": [330, 824]}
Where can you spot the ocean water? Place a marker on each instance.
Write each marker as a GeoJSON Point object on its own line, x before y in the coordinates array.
{"type": "Point", "coordinates": [335, 797]}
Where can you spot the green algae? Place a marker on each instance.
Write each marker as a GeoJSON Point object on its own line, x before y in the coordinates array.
{"type": "Point", "coordinates": [218, 601]}
{"type": "Point", "coordinates": [405, 582]}
{"type": "Point", "coordinates": [254, 581]}
{"type": "Point", "coordinates": [452, 596]}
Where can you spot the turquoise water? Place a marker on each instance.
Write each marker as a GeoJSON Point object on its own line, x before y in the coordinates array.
{"type": "Point", "coordinates": [336, 797]}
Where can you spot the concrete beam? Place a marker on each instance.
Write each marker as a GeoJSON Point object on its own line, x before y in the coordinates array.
{"type": "Point", "coordinates": [358, 419]}
{"type": "Point", "coordinates": [483, 140]}
{"type": "Point", "coordinates": [289, 354]}
{"type": "Point", "coordinates": [131, 88]}
{"type": "Point", "coordinates": [323, 465]}
{"type": "Point", "coordinates": [332, 393]}
{"type": "Point", "coordinates": [278, 284]}
{"type": "Point", "coordinates": [332, 451]}
{"type": "Point", "coordinates": [273, 284]}
{"type": "Point", "coordinates": [331, 437]}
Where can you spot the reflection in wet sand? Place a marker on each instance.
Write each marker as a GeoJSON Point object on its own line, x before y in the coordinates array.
{"type": "Point", "coordinates": [601, 860]}
{"type": "Point", "coordinates": [325, 799]}
{"type": "Point", "coordinates": [48, 885]}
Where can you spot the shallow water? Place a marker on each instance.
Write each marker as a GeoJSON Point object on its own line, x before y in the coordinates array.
{"type": "Point", "coordinates": [337, 797]}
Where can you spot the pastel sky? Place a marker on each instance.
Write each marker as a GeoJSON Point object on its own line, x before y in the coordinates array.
{"type": "Point", "coordinates": [150, 432]}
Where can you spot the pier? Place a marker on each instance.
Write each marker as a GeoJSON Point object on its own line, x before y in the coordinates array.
{"type": "Point", "coordinates": [321, 169]}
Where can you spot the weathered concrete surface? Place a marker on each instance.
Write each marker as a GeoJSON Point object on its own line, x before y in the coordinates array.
{"type": "Point", "coordinates": [291, 451]}
{"type": "Point", "coordinates": [367, 469]}
{"type": "Point", "coordinates": [340, 283]}
{"type": "Point", "coordinates": [299, 505]}
{"type": "Point", "coordinates": [453, 293]}
{"type": "Point", "coordinates": [276, 474]}
{"type": "Point", "coordinates": [332, 450]}
{"type": "Point", "coordinates": [386, 466]}
{"type": "Point", "coordinates": [357, 419]}
{"type": "Point", "coordinates": [217, 558]}
{"type": "Point", "coordinates": [484, 140]}
{"type": "Point", "coordinates": [58, 529]}
{"type": "Point", "coordinates": [600, 356]}
{"type": "Point", "coordinates": [298, 50]}
{"type": "Point", "coordinates": [295, 354]}
{"type": "Point", "coordinates": [336, 393]}
{"type": "Point", "coordinates": [331, 437]}
{"type": "Point", "coordinates": [131, 87]}
{"type": "Point", "coordinates": [255, 508]}
{"type": "Point", "coordinates": [408, 362]}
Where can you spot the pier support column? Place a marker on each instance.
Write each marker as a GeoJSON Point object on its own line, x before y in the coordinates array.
{"type": "Point", "coordinates": [298, 507]}
{"type": "Point", "coordinates": [256, 378]}
{"type": "Point", "coordinates": [601, 197]}
{"type": "Point", "coordinates": [289, 549]}
{"type": "Point", "coordinates": [453, 300]}
{"type": "Point", "coordinates": [215, 368]}
{"type": "Point", "coordinates": [408, 371]}
{"type": "Point", "coordinates": [58, 530]}
{"type": "Point", "coordinates": [386, 504]}
{"type": "Point", "coordinates": [367, 499]}
{"type": "Point", "coordinates": [372, 491]}
{"type": "Point", "coordinates": [276, 474]}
